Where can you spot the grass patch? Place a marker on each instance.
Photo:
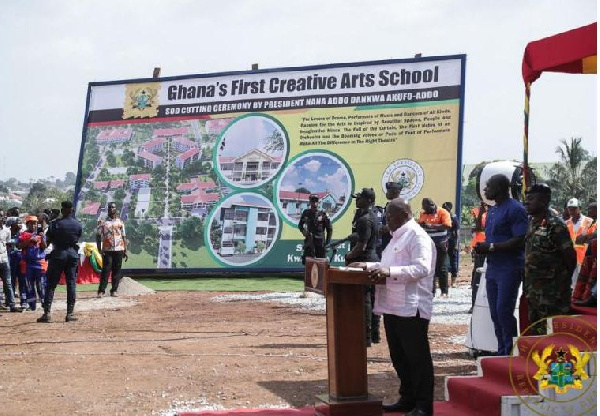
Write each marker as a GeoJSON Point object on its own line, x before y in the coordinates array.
{"type": "Point", "coordinates": [183, 257]}
{"type": "Point", "coordinates": [143, 260]}
{"type": "Point", "coordinates": [237, 284]}
{"type": "Point", "coordinates": [208, 284]}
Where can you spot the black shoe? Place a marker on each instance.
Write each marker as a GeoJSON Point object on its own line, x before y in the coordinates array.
{"type": "Point", "coordinates": [376, 340]}
{"type": "Point", "coordinates": [100, 295]}
{"type": "Point", "coordinates": [45, 318]}
{"type": "Point", "coordinates": [114, 294]}
{"type": "Point", "coordinates": [71, 318]}
{"type": "Point", "coordinates": [399, 406]}
{"type": "Point", "coordinates": [470, 310]}
{"type": "Point", "coordinates": [418, 412]}
{"type": "Point", "coordinates": [14, 309]}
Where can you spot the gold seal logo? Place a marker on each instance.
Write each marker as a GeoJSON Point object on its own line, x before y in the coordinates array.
{"type": "Point", "coordinates": [141, 100]}
{"type": "Point", "coordinates": [561, 384]}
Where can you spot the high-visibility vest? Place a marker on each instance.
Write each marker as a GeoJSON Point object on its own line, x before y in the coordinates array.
{"type": "Point", "coordinates": [478, 236]}
{"type": "Point", "coordinates": [586, 224]}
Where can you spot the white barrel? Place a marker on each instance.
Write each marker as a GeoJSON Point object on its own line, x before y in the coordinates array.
{"type": "Point", "coordinates": [511, 169]}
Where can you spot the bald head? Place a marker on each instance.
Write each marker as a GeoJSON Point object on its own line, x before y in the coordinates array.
{"type": "Point", "coordinates": [398, 212]}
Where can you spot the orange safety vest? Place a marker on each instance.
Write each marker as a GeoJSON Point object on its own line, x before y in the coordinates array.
{"type": "Point", "coordinates": [478, 236]}
{"type": "Point", "coordinates": [586, 225]}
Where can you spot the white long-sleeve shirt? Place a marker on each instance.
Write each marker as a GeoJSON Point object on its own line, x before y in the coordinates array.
{"type": "Point", "coordinates": [410, 256]}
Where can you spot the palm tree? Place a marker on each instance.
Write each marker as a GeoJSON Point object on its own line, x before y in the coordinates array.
{"type": "Point", "coordinates": [571, 176]}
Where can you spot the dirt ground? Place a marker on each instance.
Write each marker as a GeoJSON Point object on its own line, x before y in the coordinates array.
{"type": "Point", "coordinates": [183, 350]}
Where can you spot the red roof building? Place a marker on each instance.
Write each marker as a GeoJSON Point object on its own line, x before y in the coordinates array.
{"type": "Point", "coordinates": [194, 184]}
{"type": "Point", "coordinates": [101, 185]}
{"type": "Point", "coordinates": [179, 131]}
{"type": "Point", "coordinates": [117, 183]}
{"type": "Point", "coordinates": [198, 199]}
{"type": "Point", "coordinates": [154, 145]}
{"type": "Point", "coordinates": [114, 136]}
{"type": "Point", "coordinates": [150, 159]}
{"type": "Point", "coordinates": [91, 209]}
{"type": "Point", "coordinates": [187, 157]}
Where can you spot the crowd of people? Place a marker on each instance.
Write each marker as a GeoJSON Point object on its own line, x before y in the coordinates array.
{"type": "Point", "coordinates": [37, 250]}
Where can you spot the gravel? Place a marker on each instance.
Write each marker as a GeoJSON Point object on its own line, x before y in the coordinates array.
{"type": "Point", "coordinates": [452, 310]}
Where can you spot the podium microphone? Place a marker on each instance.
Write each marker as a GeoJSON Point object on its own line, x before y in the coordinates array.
{"type": "Point", "coordinates": [352, 237]}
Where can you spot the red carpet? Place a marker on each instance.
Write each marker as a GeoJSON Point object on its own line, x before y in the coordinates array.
{"type": "Point", "coordinates": [501, 376]}
{"type": "Point", "coordinates": [512, 376]}
{"type": "Point", "coordinates": [306, 411]}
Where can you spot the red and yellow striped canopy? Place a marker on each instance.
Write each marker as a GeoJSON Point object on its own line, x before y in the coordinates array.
{"type": "Point", "coordinates": [572, 52]}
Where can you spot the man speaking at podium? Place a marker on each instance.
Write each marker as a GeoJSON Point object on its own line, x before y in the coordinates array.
{"type": "Point", "coordinates": [405, 300]}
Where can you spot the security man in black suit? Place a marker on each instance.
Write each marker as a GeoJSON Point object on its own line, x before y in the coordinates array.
{"type": "Point", "coordinates": [64, 234]}
{"type": "Point", "coordinates": [365, 227]}
{"type": "Point", "coordinates": [315, 226]}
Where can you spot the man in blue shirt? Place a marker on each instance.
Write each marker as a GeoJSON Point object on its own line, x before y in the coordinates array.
{"type": "Point", "coordinates": [505, 230]}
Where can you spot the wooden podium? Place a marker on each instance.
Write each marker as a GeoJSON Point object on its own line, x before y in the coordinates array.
{"type": "Point", "coordinates": [346, 340]}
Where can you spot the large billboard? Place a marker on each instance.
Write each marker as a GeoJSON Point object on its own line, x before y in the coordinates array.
{"type": "Point", "coordinates": [212, 172]}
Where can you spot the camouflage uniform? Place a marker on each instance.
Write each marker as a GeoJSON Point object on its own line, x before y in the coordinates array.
{"type": "Point", "coordinates": [547, 282]}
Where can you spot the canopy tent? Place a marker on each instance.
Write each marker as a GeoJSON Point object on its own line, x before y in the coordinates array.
{"type": "Point", "coordinates": [572, 52]}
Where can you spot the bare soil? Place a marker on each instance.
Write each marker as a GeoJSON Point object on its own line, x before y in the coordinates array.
{"type": "Point", "coordinates": [154, 354]}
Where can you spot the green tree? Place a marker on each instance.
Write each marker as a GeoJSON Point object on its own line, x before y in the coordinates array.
{"type": "Point", "coordinates": [240, 247]}
{"type": "Point", "coordinates": [303, 190]}
{"type": "Point", "coordinates": [215, 235]}
{"type": "Point", "coordinates": [111, 159]}
{"type": "Point", "coordinates": [275, 142]}
{"type": "Point", "coordinates": [571, 176]}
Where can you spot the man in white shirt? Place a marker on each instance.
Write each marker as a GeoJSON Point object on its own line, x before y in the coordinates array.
{"type": "Point", "coordinates": [407, 267]}
{"type": "Point", "coordinates": [5, 267]}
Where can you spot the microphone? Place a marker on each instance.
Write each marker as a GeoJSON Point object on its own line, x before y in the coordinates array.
{"type": "Point", "coordinates": [352, 237]}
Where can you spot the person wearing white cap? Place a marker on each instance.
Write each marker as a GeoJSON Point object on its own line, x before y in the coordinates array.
{"type": "Point", "coordinates": [578, 225]}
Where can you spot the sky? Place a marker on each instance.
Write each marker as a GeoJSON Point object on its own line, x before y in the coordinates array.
{"type": "Point", "coordinates": [248, 134]}
{"type": "Point", "coordinates": [50, 50]}
{"type": "Point", "coordinates": [317, 174]}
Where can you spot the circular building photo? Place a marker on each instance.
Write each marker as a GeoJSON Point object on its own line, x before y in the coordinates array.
{"type": "Point", "coordinates": [243, 229]}
{"type": "Point", "coordinates": [251, 151]}
{"type": "Point", "coordinates": [321, 173]}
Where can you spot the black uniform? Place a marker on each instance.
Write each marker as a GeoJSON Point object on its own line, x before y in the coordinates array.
{"type": "Point", "coordinates": [64, 234]}
{"type": "Point", "coordinates": [318, 228]}
{"type": "Point", "coordinates": [365, 226]}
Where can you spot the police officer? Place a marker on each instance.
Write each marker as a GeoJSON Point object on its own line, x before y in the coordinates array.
{"type": "Point", "coordinates": [64, 234]}
{"type": "Point", "coordinates": [364, 247]}
{"type": "Point", "coordinates": [315, 226]}
{"type": "Point", "coordinates": [549, 260]}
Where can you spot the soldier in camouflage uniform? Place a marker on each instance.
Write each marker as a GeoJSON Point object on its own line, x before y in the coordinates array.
{"type": "Point", "coordinates": [549, 260]}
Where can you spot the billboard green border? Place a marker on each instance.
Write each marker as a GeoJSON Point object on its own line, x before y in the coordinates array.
{"type": "Point", "coordinates": [216, 167]}
{"type": "Point", "coordinates": [302, 154]}
{"type": "Point", "coordinates": [210, 217]}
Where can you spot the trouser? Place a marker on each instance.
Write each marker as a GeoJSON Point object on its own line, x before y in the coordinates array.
{"type": "Point", "coordinates": [478, 261]}
{"type": "Point", "coordinates": [368, 312]}
{"type": "Point", "coordinates": [440, 267]}
{"type": "Point", "coordinates": [36, 282]}
{"type": "Point", "coordinates": [9, 294]}
{"type": "Point", "coordinates": [314, 248]}
{"type": "Point", "coordinates": [56, 266]}
{"type": "Point", "coordinates": [411, 358]}
{"type": "Point", "coordinates": [453, 259]}
{"type": "Point", "coordinates": [502, 287]}
{"type": "Point", "coordinates": [375, 319]}
{"type": "Point", "coordinates": [111, 262]}
{"type": "Point", "coordinates": [19, 279]}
